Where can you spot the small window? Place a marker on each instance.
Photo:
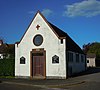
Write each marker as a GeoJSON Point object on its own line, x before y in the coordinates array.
{"type": "Point", "coordinates": [70, 57]}
{"type": "Point", "coordinates": [77, 58]}
{"type": "Point", "coordinates": [55, 59]}
{"type": "Point", "coordinates": [0, 57]}
{"type": "Point", "coordinates": [61, 41]}
{"type": "Point", "coordinates": [82, 58]}
{"type": "Point", "coordinates": [38, 40]}
{"type": "Point", "coordinates": [87, 61]}
{"type": "Point", "coordinates": [4, 56]}
{"type": "Point", "coordinates": [22, 60]}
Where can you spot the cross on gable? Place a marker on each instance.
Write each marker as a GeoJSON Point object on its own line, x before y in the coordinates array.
{"type": "Point", "coordinates": [37, 27]}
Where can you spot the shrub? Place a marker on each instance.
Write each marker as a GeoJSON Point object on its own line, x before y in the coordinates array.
{"type": "Point", "coordinates": [7, 67]}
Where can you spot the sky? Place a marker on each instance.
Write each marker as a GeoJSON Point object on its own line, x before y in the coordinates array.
{"type": "Point", "coordinates": [80, 19]}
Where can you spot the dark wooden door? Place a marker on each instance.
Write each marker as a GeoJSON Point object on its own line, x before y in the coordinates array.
{"type": "Point", "coordinates": [38, 65]}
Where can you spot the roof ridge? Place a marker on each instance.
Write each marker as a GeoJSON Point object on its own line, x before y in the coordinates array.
{"type": "Point", "coordinates": [72, 43]}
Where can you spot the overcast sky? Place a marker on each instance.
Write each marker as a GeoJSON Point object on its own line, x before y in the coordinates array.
{"type": "Point", "coordinates": [80, 19]}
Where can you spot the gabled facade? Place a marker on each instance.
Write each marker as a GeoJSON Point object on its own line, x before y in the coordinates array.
{"type": "Point", "coordinates": [91, 60]}
{"type": "Point", "coordinates": [47, 52]}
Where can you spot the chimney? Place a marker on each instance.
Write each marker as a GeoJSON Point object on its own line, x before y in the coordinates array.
{"type": "Point", "coordinates": [1, 42]}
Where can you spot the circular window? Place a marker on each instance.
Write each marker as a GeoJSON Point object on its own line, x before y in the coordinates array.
{"type": "Point", "coordinates": [38, 39]}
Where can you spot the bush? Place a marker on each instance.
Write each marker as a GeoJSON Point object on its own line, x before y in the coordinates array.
{"type": "Point", "coordinates": [7, 67]}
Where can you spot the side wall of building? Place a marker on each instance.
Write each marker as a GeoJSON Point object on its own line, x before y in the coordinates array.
{"type": "Point", "coordinates": [74, 65]}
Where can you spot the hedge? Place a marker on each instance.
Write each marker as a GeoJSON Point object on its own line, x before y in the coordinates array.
{"type": "Point", "coordinates": [7, 67]}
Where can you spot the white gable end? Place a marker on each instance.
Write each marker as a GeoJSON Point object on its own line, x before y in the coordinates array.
{"type": "Point", "coordinates": [44, 29]}
{"type": "Point", "coordinates": [51, 43]}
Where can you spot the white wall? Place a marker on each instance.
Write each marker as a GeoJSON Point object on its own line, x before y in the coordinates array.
{"type": "Point", "coordinates": [51, 44]}
{"type": "Point", "coordinates": [1, 56]}
{"type": "Point", "coordinates": [91, 62]}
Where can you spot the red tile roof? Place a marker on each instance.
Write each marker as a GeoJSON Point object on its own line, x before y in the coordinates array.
{"type": "Point", "coordinates": [4, 47]}
{"type": "Point", "coordinates": [91, 55]}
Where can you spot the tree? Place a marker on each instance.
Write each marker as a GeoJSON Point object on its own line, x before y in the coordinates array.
{"type": "Point", "coordinates": [7, 49]}
{"type": "Point", "coordinates": [86, 47]}
{"type": "Point", "coordinates": [1, 38]}
{"type": "Point", "coordinates": [92, 48]}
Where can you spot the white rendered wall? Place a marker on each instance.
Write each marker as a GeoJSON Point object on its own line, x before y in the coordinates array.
{"type": "Point", "coordinates": [91, 62]}
{"type": "Point", "coordinates": [51, 44]}
{"type": "Point", "coordinates": [1, 56]}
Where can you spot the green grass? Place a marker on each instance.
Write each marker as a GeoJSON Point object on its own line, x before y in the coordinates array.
{"type": "Point", "coordinates": [7, 77]}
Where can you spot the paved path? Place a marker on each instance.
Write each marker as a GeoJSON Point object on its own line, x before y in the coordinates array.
{"type": "Point", "coordinates": [85, 82]}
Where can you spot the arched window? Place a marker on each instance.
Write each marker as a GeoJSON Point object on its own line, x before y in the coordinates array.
{"type": "Point", "coordinates": [55, 59]}
{"type": "Point", "coordinates": [22, 60]}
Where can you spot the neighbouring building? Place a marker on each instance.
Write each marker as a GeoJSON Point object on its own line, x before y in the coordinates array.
{"type": "Point", "coordinates": [91, 60]}
{"type": "Point", "coordinates": [6, 50]}
{"type": "Point", "coordinates": [47, 52]}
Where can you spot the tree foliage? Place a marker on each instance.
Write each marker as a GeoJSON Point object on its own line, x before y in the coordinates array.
{"type": "Point", "coordinates": [1, 38]}
{"type": "Point", "coordinates": [7, 67]}
{"type": "Point", "coordinates": [92, 48]}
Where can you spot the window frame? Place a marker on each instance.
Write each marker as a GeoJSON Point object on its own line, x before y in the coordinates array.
{"type": "Point", "coordinates": [55, 61]}
{"type": "Point", "coordinates": [22, 60]}
{"type": "Point", "coordinates": [40, 42]}
{"type": "Point", "coordinates": [87, 61]}
{"type": "Point", "coordinates": [61, 41]}
{"type": "Point", "coordinates": [70, 57]}
{"type": "Point", "coordinates": [82, 58]}
{"type": "Point", "coordinates": [77, 58]}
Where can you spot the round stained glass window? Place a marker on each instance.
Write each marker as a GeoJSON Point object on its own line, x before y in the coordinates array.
{"type": "Point", "coordinates": [38, 39]}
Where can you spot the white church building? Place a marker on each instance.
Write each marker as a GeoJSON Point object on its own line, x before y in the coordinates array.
{"type": "Point", "coordinates": [46, 52]}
